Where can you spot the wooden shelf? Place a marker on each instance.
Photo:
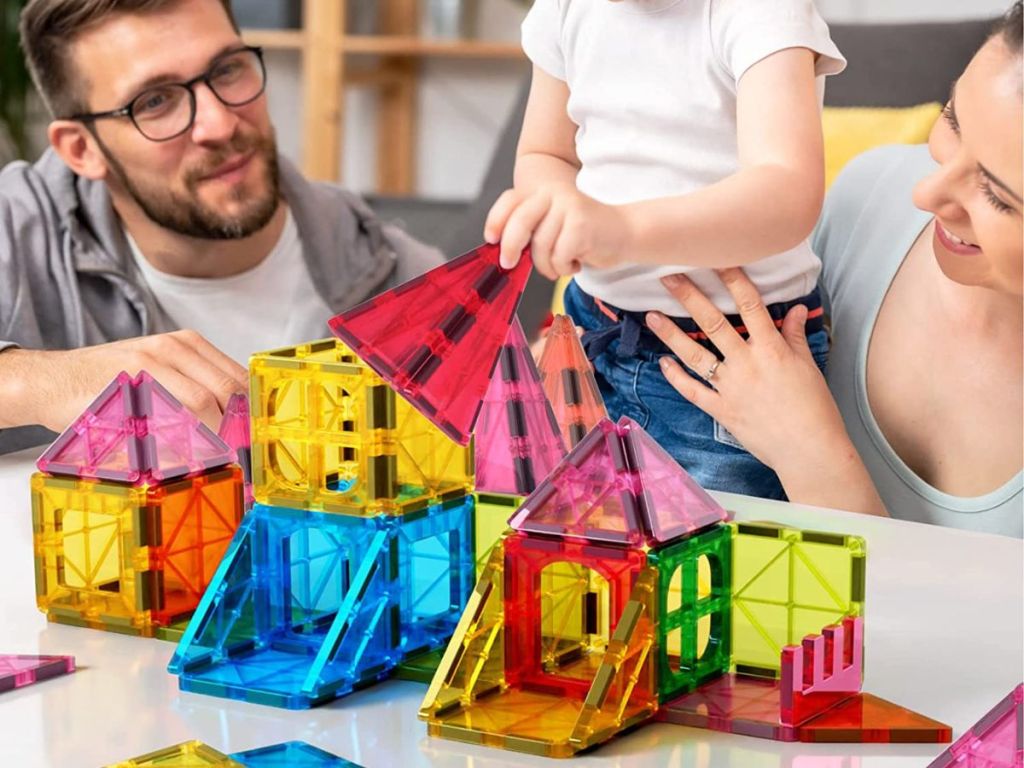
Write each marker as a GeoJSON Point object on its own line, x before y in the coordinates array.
{"type": "Point", "coordinates": [275, 39]}
{"type": "Point", "coordinates": [390, 45]}
{"type": "Point", "coordinates": [409, 45]}
{"type": "Point", "coordinates": [324, 50]}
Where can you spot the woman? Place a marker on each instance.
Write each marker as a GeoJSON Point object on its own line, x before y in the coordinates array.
{"type": "Point", "coordinates": [927, 320]}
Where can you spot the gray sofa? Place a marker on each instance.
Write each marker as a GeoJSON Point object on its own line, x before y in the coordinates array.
{"type": "Point", "coordinates": [890, 65]}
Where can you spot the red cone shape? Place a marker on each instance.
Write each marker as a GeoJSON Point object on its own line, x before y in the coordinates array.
{"type": "Point", "coordinates": [436, 338]}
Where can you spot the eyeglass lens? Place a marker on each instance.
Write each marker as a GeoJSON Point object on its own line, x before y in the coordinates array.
{"type": "Point", "coordinates": [165, 111]}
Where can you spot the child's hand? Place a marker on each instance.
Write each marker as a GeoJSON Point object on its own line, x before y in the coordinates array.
{"type": "Point", "coordinates": [563, 227]}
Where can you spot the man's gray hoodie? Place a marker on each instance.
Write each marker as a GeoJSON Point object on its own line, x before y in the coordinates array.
{"type": "Point", "coordinates": [68, 279]}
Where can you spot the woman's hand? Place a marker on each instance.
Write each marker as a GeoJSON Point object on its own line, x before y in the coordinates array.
{"type": "Point", "coordinates": [768, 392]}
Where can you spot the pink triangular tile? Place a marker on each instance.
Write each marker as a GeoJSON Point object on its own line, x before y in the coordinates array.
{"type": "Point", "coordinates": [135, 432]}
{"type": "Point", "coordinates": [587, 496]}
{"type": "Point", "coordinates": [234, 427]}
{"type": "Point", "coordinates": [177, 442]}
{"type": "Point", "coordinates": [235, 430]}
{"type": "Point", "coordinates": [995, 741]}
{"type": "Point", "coordinates": [618, 485]}
{"type": "Point", "coordinates": [17, 671]}
{"type": "Point", "coordinates": [102, 442]}
{"type": "Point", "coordinates": [671, 502]}
{"type": "Point", "coordinates": [517, 441]}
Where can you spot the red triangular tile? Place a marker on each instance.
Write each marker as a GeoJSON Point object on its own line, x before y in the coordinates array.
{"type": "Point", "coordinates": [995, 741]}
{"type": "Point", "coordinates": [671, 502]}
{"type": "Point", "coordinates": [517, 441]}
{"type": "Point", "coordinates": [435, 339]}
{"type": "Point", "coordinates": [135, 432]}
{"type": "Point", "coordinates": [568, 380]}
{"type": "Point", "coordinates": [864, 718]}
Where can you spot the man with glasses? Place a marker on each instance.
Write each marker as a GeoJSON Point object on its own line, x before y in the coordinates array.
{"type": "Point", "coordinates": [161, 206]}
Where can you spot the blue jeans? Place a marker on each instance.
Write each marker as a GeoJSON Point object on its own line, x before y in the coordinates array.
{"type": "Point", "coordinates": [625, 355]}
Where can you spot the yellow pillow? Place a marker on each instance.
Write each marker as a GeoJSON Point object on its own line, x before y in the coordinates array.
{"type": "Point", "coordinates": [848, 132]}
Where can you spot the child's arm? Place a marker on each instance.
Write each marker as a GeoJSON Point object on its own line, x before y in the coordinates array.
{"type": "Point", "coordinates": [772, 202]}
{"type": "Point", "coordinates": [544, 206]}
{"type": "Point", "coordinates": [769, 205]}
{"type": "Point", "coordinates": [546, 153]}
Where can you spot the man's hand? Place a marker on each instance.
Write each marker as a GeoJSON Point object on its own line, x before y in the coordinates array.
{"type": "Point", "coordinates": [52, 388]}
{"type": "Point", "coordinates": [563, 227]}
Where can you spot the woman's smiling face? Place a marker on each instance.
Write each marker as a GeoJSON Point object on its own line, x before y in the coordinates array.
{"type": "Point", "coordinates": [976, 192]}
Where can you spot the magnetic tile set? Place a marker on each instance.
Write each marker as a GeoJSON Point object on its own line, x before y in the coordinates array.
{"type": "Point", "coordinates": [416, 499]}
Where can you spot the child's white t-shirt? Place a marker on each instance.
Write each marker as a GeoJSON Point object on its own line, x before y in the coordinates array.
{"type": "Point", "coordinates": [653, 90]}
{"type": "Point", "coordinates": [289, 310]}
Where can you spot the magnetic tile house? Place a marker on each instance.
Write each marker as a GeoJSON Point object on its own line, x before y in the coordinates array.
{"type": "Point", "coordinates": [357, 557]}
{"type": "Point", "coordinates": [623, 595]}
{"type": "Point", "coordinates": [132, 508]}
{"type": "Point", "coordinates": [560, 645]}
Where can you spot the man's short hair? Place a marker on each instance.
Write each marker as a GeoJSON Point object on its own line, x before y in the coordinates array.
{"type": "Point", "coordinates": [48, 27]}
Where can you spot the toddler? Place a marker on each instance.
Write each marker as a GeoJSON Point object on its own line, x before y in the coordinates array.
{"type": "Point", "coordinates": [665, 137]}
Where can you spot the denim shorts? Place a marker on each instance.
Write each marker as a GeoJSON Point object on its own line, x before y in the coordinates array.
{"type": "Point", "coordinates": [625, 355]}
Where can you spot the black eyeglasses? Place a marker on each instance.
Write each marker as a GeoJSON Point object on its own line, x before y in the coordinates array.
{"type": "Point", "coordinates": [166, 111]}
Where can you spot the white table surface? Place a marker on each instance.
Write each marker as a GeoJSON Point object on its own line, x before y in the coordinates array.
{"type": "Point", "coordinates": [944, 620]}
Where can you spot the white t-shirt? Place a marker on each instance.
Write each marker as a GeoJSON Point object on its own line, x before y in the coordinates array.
{"type": "Point", "coordinates": [653, 90]}
{"type": "Point", "coordinates": [272, 305]}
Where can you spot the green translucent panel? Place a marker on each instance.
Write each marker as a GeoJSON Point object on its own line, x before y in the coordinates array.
{"type": "Point", "coordinates": [694, 579]}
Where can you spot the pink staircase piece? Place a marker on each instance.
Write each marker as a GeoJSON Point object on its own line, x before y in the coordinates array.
{"type": "Point", "coordinates": [995, 741]}
{"type": "Point", "coordinates": [818, 698]}
{"type": "Point", "coordinates": [135, 432]}
{"type": "Point", "coordinates": [672, 504]}
{"type": "Point", "coordinates": [436, 338]}
{"type": "Point", "coordinates": [617, 485]}
{"type": "Point", "coordinates": [517, 440]}
{"type": "Point", "coordinates": [824, 670]}
{"type": "Point", "coordinates": [18, 671]}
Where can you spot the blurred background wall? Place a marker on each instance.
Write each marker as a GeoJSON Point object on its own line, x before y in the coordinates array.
{"type": "Point", "coordinates": [463, 106]}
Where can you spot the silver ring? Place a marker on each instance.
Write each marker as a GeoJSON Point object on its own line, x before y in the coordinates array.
{"type": "Point", "coordinates": [711, 370]}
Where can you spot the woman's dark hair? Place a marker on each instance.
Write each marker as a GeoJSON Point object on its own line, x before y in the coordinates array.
{"type": "Point", "coordinates": [1011, 28]}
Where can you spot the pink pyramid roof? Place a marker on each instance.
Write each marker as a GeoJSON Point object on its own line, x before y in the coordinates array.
{"type": "Point", "coordinates": [135, 432]}
{"type": "Point", "coordinates": [618, 485]}
{"type": "Point", "coordinates": [517, 438]}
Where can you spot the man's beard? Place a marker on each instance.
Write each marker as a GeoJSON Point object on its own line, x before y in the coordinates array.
{"type": "Point", "coordinates": [187, 215]}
